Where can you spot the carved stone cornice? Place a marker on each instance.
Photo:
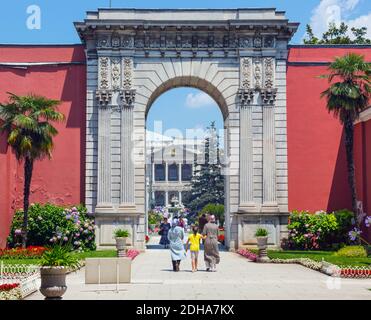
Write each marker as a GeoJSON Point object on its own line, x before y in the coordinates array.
{"type": "Point", "coordinates": [127, 97]}
{"type": "Point", "coordinates": [104, 97]}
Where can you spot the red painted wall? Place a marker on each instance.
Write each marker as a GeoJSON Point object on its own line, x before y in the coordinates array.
{"type": "Point", "coordinates": [362, 151]}
{"type": "Point", "coordinates": [60, 180]}
{"type": "Point", "coordinates": [316, 157]}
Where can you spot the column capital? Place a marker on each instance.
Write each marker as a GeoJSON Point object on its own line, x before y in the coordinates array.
{"type": "Point", "coordinates": [245, 96]}
{"type": "Point", "coordinates": [268, 96]}
{"type": "Point", "coordinates": [127, 97]}
{"type": "Point", "coordinates": [104, 97]}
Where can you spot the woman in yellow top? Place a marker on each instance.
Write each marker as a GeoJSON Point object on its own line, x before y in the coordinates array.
{"type": "Point", "coordinates": [194, 242]}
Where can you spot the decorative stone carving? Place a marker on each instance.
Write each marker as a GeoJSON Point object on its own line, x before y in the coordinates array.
{"type": "Point", "coordinates": [245, 96]}
{"type": "Point", "coordinates": [268, 95]}
{"type": "Point", "coordinates": [268, 73]}
{"type": "Point", "coordinates": [258, 42]}
{"type": "Point", "coordinates": [115, 41]}
{"type": "Point", "coordinates": [244, 42]}
{"type": "Point", "coordinates": [102, 42]}
{"type": "Point", "coordinates": [257, 73]}
{"type": "Point", "coordinates": [104, 97]}
{"type": "Point", "coordinates": [127, 97]}
{"type": "Point", "coordinates": [116, 73]}
{"type": "Point", "coordinates": [128, 42]}
{"type": "Point", "coordinates": [268, 42]}
{"type": "Point", "coordinates": [246, 73]}
{"type": "Point", "coordinates": [103, 73]}
{"type": "Point", "coordinates": [127, 73]}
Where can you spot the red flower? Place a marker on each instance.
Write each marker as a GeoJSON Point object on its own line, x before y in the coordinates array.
{"type": "Point", "coordinates": [8, 286]}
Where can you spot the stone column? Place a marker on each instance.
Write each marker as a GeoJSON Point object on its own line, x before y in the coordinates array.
{"type": "Point", "coordinates": [104, 200]}
{"type": "Point", "coordinates": [166, 198]}
{"type": "Point", "coordinates": [180, 172]}
{"type": "Point", "coordinates": [127, 165]}
{"type": "Point", "coordinates": [246, 100]}
{"type": "Point", "coordinates": [104, 97]}
{"type": "Point", "coordinates": [180, 197]}
{"type": "Point", "coordinates": [166, 172]}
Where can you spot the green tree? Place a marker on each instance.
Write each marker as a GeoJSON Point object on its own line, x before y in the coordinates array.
{"type": "Point", "coordinates": [338, 35]}
{"type": "Point", "coordinates": [26, 121]}
{"type": "Point", "coordinates": [207, 185]}
{"type": "Point", "coordinates": [216, 209]}
{"type": "Point", "coordinates": [347, 97]}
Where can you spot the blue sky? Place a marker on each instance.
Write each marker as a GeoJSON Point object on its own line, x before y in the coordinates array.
{"type": "Point", "coordinates": [185, 107]}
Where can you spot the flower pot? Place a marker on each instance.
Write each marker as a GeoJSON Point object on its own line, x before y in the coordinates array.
{"type": "Point", "coordinates": [262, 246]}
{"type": "Point", "coordinates": [262, 242]}
{"type": "Point", "coordinates": [53, 282]}
{"type": "Point", "coordinates": [120, 243]}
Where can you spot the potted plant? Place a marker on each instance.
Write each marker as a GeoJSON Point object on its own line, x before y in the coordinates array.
{"type": "Point", "coordinates": [55, 263]}
{"type": "Point", "coordinates": [261, 235]}
{"type": "Point", "coordinates": [120, 237]}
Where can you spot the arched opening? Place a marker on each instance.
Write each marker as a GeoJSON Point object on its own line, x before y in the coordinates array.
{"type": "Point", "coordinates": [180, 118]}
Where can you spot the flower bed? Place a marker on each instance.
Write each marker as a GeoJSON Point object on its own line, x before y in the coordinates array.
{"type": "Point", "coordinates": [247, 254]}
{"type": "Point", "coordinates": [322, 266]}
{"type": "Point", "coordinates": [132, 254]}
{"type": "Point", "coordinates": [10, 291]}
{"type": "Point", "coordinates": [31, 252]}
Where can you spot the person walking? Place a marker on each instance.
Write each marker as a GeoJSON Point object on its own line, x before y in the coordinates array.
{"type": "Point", "coordinates": [194, 242]}
{"type": "Point", "coordinates": [201, 222]}
{"type": "Point", "coordinates": [176, 237]}
{"type": "Point", "coordinates": [211, 250]}
{"type": "Point", "coordinates": [164, 230]}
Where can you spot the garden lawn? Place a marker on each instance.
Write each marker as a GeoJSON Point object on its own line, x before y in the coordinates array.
{"type": "Point", "coordinates": [81, 255]}
{"type": "Point", "coordinates": [328, 256]}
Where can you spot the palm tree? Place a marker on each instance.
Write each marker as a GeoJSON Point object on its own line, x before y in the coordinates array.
{"type": "Point", "coordinates": [346, 99]}
{"type": "Point", "coordinates": [26, 121]}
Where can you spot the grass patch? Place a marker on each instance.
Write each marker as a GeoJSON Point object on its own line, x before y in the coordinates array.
{"type": "Point", "coordinates": [328, 256]}
{"type": "Point", "coordinates": [81, 256]}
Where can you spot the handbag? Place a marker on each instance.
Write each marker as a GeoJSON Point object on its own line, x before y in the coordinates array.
{"type": "Point", "coordinates": [161, 232]}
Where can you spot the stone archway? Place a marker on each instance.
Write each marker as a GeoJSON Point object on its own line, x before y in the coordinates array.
{"type": "Point", "coordinates": [238, 58]}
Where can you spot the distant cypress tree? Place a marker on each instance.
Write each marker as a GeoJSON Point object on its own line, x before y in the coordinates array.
{"type": "Point", "coordinates": [207, 185]}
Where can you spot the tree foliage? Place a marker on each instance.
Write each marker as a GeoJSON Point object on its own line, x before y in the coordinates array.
{"type": "Point", "coordinates": [347, 96]}
{"type": "Point", "coordinates": [27, 122]}
{"type": "Point", "coordinates": [338, 35]}
{"type": "Point", "coordinates": [207, 185]}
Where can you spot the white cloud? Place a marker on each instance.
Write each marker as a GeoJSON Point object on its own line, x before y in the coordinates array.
{"type": "Point", "coordinates": [337, 11]}
{"type": "Point", "coordinates": [199, 100]}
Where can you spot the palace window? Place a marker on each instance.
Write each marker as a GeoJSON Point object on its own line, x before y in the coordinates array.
{"type": "Point", "coordinates": [173, 172]}
{"type": "Point", "coordinates": [159, 172]}
{"type": "Point", "coordinates": [160, 198]}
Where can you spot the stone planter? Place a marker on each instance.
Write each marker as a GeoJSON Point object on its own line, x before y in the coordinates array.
{"type": "Point", "coordinates": [121, 246]}
{"type": "Point", "coordinates": [262, 246]}
{"type": "Point", "coordinates": [53, 282]}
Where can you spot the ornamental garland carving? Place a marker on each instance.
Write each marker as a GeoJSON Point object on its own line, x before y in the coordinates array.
{"type": "Point", "coordinates": [127, 76]}
{"type": "Point", "coordinates": [257, 75]}
{"type": "Point", "coordinates": [246, 73]}
{"type": "Point", "coordinates": [104, 73]}
{"type": "Point", "coordinates": [116, 73]}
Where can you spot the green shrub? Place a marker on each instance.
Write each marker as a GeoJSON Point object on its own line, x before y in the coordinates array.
{"type": "Point", "coordinates": [49, 224]}
{"type": "Point", "coordinates": [352, 252]}
{"type": "Point", "coordinates": [345, 220]}
{"type": "Point", "coordinates": [216, 209]}
{"type": "Point", "coordinates": [60, 256]}
{"type": "Point", "coordinates": [121, 233]}
{"type": "Point", "coordinates": [154, 218]}
{"type": "Point", "coordinates": [311, 231]}
{"type": "Point", "coordinates": [261, 232]}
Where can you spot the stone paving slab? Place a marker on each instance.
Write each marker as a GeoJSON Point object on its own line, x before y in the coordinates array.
{"type": "Point", "coordinates": [236, 278]}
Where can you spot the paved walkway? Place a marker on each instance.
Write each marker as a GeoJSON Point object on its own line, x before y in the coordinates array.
{"type": "Point", "coordinates": [236, 278]}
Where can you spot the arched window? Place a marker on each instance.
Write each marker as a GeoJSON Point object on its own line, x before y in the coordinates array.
{"type": "Point", "coordinates": [173, 172]}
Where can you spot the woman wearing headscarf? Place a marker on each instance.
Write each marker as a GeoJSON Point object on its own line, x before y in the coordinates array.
{"type": "Point", "coordinates": [176, 237]}
{"type": "Point", "coordinates": [211, 249]}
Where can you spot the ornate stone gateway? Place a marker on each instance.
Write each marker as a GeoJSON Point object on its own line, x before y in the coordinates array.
{"type": "Point", "coordinates": [238, 57]}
